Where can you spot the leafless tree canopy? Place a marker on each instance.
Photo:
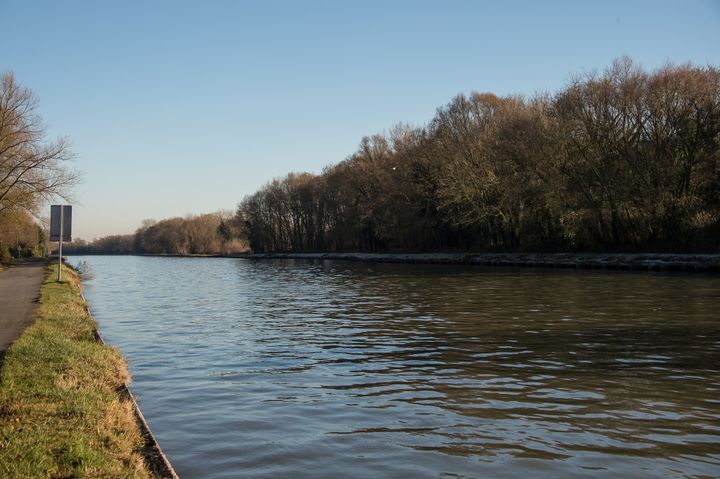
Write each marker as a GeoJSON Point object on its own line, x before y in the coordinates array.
{"type": "Point", "coordinates": [619, 160]}
{"type": "Point", "coordinates": [32, 168]}
{"type": "Point", "coordinates": [624, 159]}
{"type": "Point", "coordinates": [214, 233]}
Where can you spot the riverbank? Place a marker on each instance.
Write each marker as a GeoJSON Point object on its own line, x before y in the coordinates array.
{"type": "Point", "coordinates": [63, 412]}
{"type": "Point", "coordinates": [696, 263]}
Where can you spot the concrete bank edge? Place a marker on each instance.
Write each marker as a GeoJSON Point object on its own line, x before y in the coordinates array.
{"type": "Point", "coordinates": [669, 262]}
{"type": "Point", "coordinates": [692, 263]}
{"type": "Point", "coordinates": [153, 454]}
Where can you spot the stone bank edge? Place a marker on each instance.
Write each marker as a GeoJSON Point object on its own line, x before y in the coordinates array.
{"type": "Point", "coordinates": [692, 263]}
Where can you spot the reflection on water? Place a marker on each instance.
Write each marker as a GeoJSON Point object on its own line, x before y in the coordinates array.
{"type": "Point", "coordinates": [308, 369]}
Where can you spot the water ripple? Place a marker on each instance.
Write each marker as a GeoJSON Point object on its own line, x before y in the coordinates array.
{"type": "Point", "coordinates": [311, 369]}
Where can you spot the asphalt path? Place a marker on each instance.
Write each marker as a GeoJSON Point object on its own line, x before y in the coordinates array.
{"type": "Point", "coordinates": [19, 298]}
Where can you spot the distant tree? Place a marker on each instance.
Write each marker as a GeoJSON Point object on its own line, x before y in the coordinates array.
{"type": "Point", "coordinates": [212, 233]}
{"type": "Point", "coordinates": [223, 230]}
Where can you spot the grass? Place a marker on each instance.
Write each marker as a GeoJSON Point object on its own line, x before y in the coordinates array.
{"type": "Point", "coordinates": [61, 414]}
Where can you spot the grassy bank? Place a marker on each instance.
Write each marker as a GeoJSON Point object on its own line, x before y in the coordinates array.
{"type": "Point", "coordinates": [60, 411]}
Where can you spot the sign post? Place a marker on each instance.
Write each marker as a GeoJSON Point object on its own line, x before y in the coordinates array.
{"type": "Point", "coordinates": [60, 229]}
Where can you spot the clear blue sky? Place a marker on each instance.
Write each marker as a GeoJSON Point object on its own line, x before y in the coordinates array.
{"type": "Point", "coordinates": [186, 107]}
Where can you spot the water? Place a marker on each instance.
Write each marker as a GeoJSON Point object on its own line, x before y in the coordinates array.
{"type": "Point", "coordinates": [279, 369]}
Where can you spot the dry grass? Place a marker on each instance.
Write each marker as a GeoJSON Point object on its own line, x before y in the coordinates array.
{"type": "Point", "coordinates": [60, 411]}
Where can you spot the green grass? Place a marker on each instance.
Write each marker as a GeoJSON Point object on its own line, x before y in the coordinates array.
{"type": "Point", "coordinates": [60, 412]}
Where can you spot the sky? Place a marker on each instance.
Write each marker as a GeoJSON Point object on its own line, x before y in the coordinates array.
{"type": "Point", "coordinates": [177, 108]}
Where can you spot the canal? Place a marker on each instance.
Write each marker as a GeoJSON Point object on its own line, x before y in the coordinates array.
{"type": "Point", "coordinates": [326, 369]}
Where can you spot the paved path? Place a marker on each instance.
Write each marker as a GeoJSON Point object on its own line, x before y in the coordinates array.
{"type": "Point", "coordinates": [19, 295]}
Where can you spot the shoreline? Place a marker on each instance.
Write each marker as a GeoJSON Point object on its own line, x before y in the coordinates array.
{"type": "Point", "coordinates": [156, 460]}
{"type": "Point", "coordinates": [61, 364]}
{"type": "Point", "coordinates": [665, 262]}
{"type": "Point", "coordinates": [692, 263]}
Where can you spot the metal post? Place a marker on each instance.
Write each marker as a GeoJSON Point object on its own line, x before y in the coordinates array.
{"type": "Point", "coordinates": [60, 249]}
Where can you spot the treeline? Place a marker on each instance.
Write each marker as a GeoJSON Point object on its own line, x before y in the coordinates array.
{"type": "Point", "coordinates": [625, 159]}
{"type": "Point", "coordinates": [214, 233]}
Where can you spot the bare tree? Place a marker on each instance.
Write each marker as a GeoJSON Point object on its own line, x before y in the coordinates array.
{"type": "Point", "coordinates": [32, 169]}
{"type": "Point", "coordinates": [625, 159]}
